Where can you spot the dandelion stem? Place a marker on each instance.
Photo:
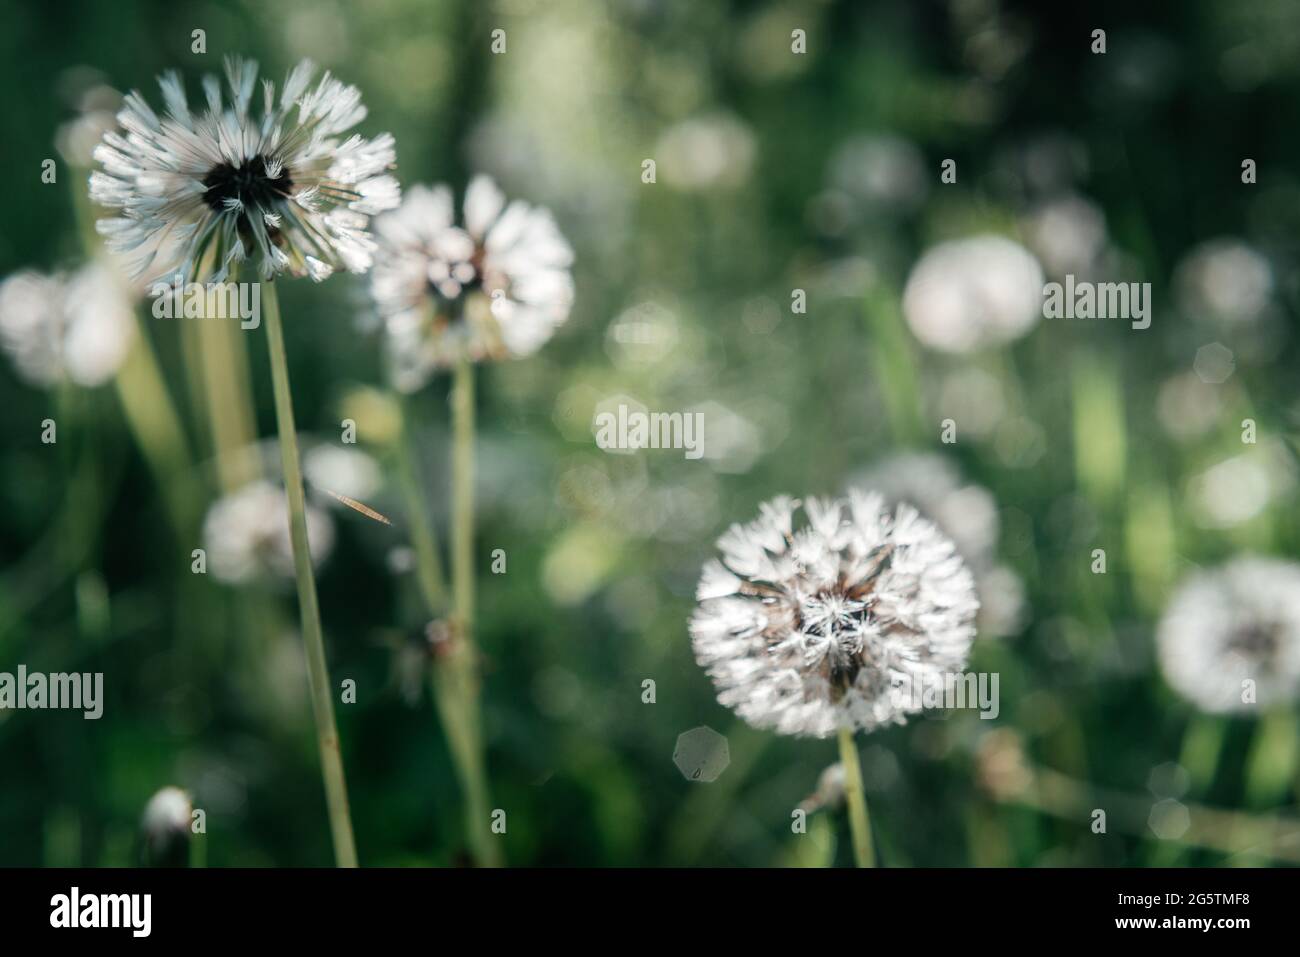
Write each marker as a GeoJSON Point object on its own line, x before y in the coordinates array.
{"type": "Point", "coordinates": [462, 491]}
{"type": "Point", "coordinates": [462, 664]}
{"type": "Point", "coordinates": [336, 794]}
{"type": "Point", "coordinates": [424, 537]}
{"type": "Point", "coordinates": [856, 799]}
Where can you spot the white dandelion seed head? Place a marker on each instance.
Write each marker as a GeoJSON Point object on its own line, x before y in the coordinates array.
{"type": "Point", "coordinates": [713, 151]}
{"type": "Point", "coordinates": [343, 470]}
{"type": "Point", "coordinates": [1237, 623]}
{"type": "Point", "coordinates": [1226, 281]}
{"type": "Point", "coordinates": [970, 294]}
{"type": "Point", "coordinates": [808, 627]}
{"type": "Point", "coordinates": [1240, 488]}
{"type": "Point", "coordinates": [75, 327]}
{"type": "Point", "coordinates": [246, 534]}
{"type": "Point", "coordinates": [1068, 234]}
{"type": "Point", "coordinates": [199, 192]}
{"type": "Point", "coordinates": [496, 285]}
{"type": "Point", "coordinates": [168, 812]}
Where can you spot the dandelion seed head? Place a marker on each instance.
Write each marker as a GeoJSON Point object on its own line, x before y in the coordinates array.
{"type": "Point", "coordinates": [969, 294]}
{"type": "Point", "coordinates": [74, 327]}
{"type": "Point", "coordinates": [714, 151]}
{"type": "Point", "coordinates": [1236, 623]}
{"type": "Point", "coordinates": [200, 191]}
{"type": "Point", "coordinates": [1240, 488]}
{"type": "Point", "coordinates": [165, 827]}
{"type": "Point", "coordinates": [497, 285]}
{"type": "Point", "coordinates": [246, 534]}
{"type": "Point", "coordinates": [817, 610]}
{"type": "Point", "coordinates": [1226, 281]}
{"type": "Point", "coordinates": [346, 471]}
{"type": "Point", "coordinates": [1068, 234]}
{"type": "Point", "coordinates": [168, 812]}
{"type": "Point", "coordinates": [97, 114]}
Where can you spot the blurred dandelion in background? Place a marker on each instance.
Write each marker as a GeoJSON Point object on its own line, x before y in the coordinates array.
{"type": "Point", "coordinates": [246, 535]}
{"type": "Point", "coordinates": [1224, 281]}
{"type": "Point", "coordinates": [165, 828]}
{"type": "Point", "coordinates": [1230, 639]}
{"type": "Point", "coordinates": [969, 294]}
{"type": "Point", "coordinates": [75, 327]}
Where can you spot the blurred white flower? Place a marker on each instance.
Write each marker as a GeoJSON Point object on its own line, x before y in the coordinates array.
{"type": "Point", "coordinates": [165, 827]}
{"type": "Point", "coordinates": [1068, 234]}
{"type": "Point", "coordinates": [1230, 639]}
{"type": "Point", "coordinates": [76, 139]}
{"type": "Point", "coordinates": [1239, 488]}
{"type": "Point", "coordinates": [1224, 280]}
{"type": "Point", "coordinates": [168, 812]}
{"type": "Point", "coordinates": [881, 169]}
{"type": "Point", "coordinates": [968, 294]}
{"type": "Point", "coordinates": [807, 630]}
{"type": "Point", "coordinates": [496, 287]}
{"type": "Point", "coordinates": [76, 328]}
{"type": "Point", "coordinates": [706, 152]}
{"type": "Point", "coordinates": [246, 534]}
{"type": "Point", "coordinates": [200, 193]}
{"type": "Point", "coordinates": [345, 471]}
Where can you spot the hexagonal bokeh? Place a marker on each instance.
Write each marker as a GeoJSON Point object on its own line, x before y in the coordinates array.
{"type": "Point", "coordinates": [1214, 363]}
{"type": "Point", "coordinates": [1169, 819]}
{"type": "Point", "coordinates": [701, 754]}
{"type": "Point", "coordinates": [1168, 780]}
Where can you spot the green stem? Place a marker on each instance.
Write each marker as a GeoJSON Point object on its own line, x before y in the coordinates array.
{"type": "Point", "coordinates": [856, 799]}
{"type": "Point", "coordinates": [462, 663]}
{"type": "Point", "coordinates": [428, 566]}
{"type": "Point", "coordinates": [322, 706]}
{"type": "Point", "coordinates": [462, 491]}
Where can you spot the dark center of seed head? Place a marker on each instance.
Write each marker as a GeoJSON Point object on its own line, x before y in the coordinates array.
{"type": "Point", "coordinates": [1257, 639]}
{"type": "Point", "coordinates": [250, 183]}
